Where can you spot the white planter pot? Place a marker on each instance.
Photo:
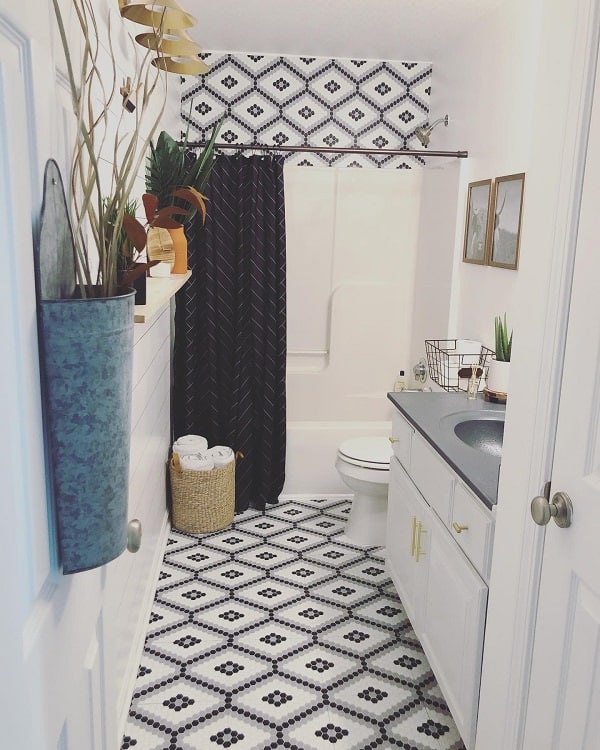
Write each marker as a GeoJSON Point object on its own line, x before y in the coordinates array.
{"type": "Point", "coordinates": [498, 375]}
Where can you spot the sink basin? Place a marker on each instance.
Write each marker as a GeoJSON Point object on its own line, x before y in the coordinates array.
{"type": "Point", "coordinates": [482, 434]}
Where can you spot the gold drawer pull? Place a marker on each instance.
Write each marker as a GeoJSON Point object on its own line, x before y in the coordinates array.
{"type": "Point", "coordinates": [413, 536]}
{"type": "Point", "coordinates": [418, 551]}
{"type": "Point", "coordinates": [394, 440]}
{"type": "Point", "coordinates": [458, 528]}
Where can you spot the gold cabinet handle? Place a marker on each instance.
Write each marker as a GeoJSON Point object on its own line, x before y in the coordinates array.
{"type": "Point", "coordinates": [458, 528]}
{"type": "Point", "coordinates": [418, 551]}
{"type": "Point", "coordinates": [413, 536]}
{"type": "Point", "coordinates": [394, 440]}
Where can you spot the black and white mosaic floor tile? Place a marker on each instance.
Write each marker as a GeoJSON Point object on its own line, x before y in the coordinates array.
{"type": "Point", "coordinates": [279, 633]}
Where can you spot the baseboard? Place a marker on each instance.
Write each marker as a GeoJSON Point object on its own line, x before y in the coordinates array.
{"type": "Point", "coordinates": [137, 648]}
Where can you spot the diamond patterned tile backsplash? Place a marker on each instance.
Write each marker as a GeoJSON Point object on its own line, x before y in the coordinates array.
{"type": "Point", "coordinates": [316, 101]}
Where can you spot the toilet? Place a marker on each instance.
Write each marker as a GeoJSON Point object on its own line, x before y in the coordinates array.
{"type": "Point", "coordinates": [364, 465]}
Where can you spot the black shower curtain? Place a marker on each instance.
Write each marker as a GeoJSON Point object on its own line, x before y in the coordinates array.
{"type": "Point", "coordinates": [230, 325]}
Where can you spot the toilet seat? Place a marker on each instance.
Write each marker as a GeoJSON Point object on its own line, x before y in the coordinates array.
{"type": "Point", "coordinates": [367, 452]}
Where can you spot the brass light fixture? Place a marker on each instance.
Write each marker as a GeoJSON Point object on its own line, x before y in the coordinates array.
{"type": "Point", "coordinates": [157, 13]}
{"type": "Point", "coordinates": [177, 51]}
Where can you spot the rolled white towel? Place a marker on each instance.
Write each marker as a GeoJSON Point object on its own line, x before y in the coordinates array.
{"type": "Point", "coordinates": [221, 455]}
{"type": "Point", "coordinates": [189, 444]}
{"type": "Point", "coordinates": [197, 462]}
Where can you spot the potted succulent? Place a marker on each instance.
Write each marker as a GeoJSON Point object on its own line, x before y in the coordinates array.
{"type": "Point", "coordinates": [85, 318]}
{"type": "Point", "coordinates": [499, 370]}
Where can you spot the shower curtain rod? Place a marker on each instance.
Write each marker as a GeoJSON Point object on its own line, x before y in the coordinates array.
{"type": "Point", "coordinates": [331, 150]}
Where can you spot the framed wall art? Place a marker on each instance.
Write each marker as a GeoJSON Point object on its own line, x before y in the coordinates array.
{"type": "Point", "coordinates": [477, 222]}
{"type": "Point", "coordinates": [506, 225]}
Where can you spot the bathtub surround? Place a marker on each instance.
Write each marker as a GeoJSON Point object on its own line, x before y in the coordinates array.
{"type": "Point", "coordinates": [352, 238]}
{"type": "Point", "coordinates": [293, 101]}
{"type": "Point", "coordinates": [230, 337]}
{"type": "Point", "coordinates": [280, 633]}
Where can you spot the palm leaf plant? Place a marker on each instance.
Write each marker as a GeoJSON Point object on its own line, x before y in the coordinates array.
{"type": "Point", "coordinates": [167, 168]}
{"type": "Point", "coordinates": [503, 339]}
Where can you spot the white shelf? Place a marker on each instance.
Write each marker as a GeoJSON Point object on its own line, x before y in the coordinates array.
{"type": "Point", "coordinates": [158, 292]}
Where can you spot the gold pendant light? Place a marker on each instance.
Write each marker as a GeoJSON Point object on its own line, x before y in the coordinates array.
{"type": "Point", "coordinates": [178, 53]}
{"type": "Point", "coordinates": [157, 14]}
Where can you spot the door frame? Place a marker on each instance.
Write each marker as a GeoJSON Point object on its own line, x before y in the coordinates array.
{"type": "Point", "coordinates": [565, 84]}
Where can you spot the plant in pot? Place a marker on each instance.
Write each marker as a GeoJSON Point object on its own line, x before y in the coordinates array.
{"type": "Point", "coordinates": [499, 370]}
{"type": "Point", "coordinates": [170, 174]}
{"type": "Point", "coordinates": [85, 319]}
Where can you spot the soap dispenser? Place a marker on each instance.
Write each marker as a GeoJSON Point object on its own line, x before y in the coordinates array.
{"type": "Point", "coordinates": [400, 384]}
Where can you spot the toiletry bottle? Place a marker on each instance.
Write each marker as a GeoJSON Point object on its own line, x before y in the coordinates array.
{"type": "Point", "coordinates": [400, 384]}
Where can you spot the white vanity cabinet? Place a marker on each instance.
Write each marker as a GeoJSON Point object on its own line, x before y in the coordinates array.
{"type": "Point", "coordinates": [437, 569]}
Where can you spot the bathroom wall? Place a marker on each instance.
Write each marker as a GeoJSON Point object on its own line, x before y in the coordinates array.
{"type": "Point", "coordinates": [323, 102]}
{"type": "Point", "coordinates": [486, 81]}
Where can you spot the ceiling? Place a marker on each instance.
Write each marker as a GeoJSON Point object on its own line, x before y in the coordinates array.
{"type": "Point", "coordinates": [416, 30]}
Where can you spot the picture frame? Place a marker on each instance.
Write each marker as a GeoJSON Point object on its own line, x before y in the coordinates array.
{"type": "Point", "coordinates": [507, 212]}
{"type": "Point", "coordinates": [477, 222]}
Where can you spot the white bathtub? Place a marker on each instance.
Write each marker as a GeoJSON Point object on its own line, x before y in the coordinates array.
{"type": "Point", "coordinates": [311, 452]}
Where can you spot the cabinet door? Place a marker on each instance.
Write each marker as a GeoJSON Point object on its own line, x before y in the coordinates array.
{"type": "Point", "coordinates": [405, 511]}
{"type": "Point", "coordinates": [453, 621]}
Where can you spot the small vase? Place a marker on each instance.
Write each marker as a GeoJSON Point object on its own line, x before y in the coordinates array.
{"type": "Point", "coordinates": [180, 247]}
{"type": "Point", "coordinates": [498, 375]}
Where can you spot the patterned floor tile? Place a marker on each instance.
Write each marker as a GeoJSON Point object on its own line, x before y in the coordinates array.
{"type": "Point", "coordinates": [277, 633]}
{"type": "Point", "coordinates": [294, 512]}
{"type": "Point", "coordinates": [356, 638]}
{"type": "Point", "coordinates": [185, 644]}
{"type": "Point", "coordinates": [191, 595]}
{"type": "Point", "coordinates": [303, 573]}
{"type": "Point", "coordinates": [266, 557]}
{"type": "Point", "coordinates": [262, 526]}
{"type": "Point", "coordinates": [319, 666]}
{"type": "Point", "coordinates": [368, 695]}
{"type": "Point", "coordinates": [333, 554]}
{"type": "Point", "coordinates": [333, 729]}
{"type": "Point", "coordinates": [297, 540]}
{"type": "Point", "coordinates": [344, 591]}
{"type": "Point", "coordinates": [229, 731]}
{"type": "Point", "coordinates": [232, 617]}
{"type": "Point", "coordinates": [321, 524]}
{"type": "Point", "coordinates": [232, 575]}
{"type": "Point", "coordinates": [270, 594]}
{"type": "Point", "coordinates": [310, 615]}
{"type": "Point", "coordinates": [163, 618]}
{"type": "Point", "coordinates": [415, 729]}
{"type": "Point", "coordinates": [229, 670]}
{"type": "Point", "coordinates": [279, 699]}
{"type": "Point", "coordinates": [194, 559]}
{"type": "Point", "coordinates": [273, 640]}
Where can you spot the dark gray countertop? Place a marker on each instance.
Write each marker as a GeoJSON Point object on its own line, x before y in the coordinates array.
{"type": "Point", "coordinates": [434, 416]}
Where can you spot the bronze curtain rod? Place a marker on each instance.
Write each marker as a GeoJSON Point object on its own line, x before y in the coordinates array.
{"type": "Point", "coordinates": [332, 150]}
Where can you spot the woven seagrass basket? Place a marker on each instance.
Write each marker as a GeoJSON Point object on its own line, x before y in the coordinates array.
{"type": "Point", "coordinates": [202, 501]}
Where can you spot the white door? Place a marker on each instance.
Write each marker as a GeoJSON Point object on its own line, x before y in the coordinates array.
{"type": "Point", "coordinates": [52, 694]}
{"type": "Point", "coordinates": [564, 703]}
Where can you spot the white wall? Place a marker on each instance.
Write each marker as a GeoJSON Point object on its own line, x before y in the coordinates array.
{"type": "Point", "coordinates": [435, 256]}
{"type": "Point", "coordinates": [485, 80]}
{"type": "Point", "coordinates": [351, 250]}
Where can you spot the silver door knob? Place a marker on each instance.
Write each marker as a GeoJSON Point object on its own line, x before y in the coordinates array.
{"type": "Point", "coordinates": [134, 535]}
{"type": "Point", "coordinates": [560, 508]}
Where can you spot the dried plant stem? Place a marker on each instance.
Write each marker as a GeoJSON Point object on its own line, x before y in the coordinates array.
{"type": "Point", "coordinates": [97, 209]}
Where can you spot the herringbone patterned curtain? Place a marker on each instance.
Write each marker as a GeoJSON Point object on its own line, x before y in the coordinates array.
{"type": "Point", "coordinates": [230, 325]}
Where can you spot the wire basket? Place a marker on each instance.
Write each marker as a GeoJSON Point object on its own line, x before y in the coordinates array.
{"type": "Point", "coordinates": [447, 357]}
